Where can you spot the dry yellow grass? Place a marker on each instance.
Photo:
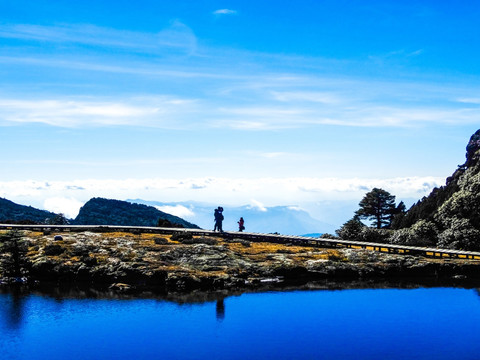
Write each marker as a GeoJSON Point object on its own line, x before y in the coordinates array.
{"type": "Point", "coordinates": [147, 236]}
{"type": "Point", "coordinates": [143, 243]}
{"type": "Point", "coordinates": [35, 234]}
{"type": "Point", "coordinates": [265, 248]}
{"type": "Point", "coordinates": [117, 234]}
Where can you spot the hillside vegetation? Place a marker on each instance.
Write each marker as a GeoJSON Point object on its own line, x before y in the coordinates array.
{"type": "Point", "coordinates": [450, 215]}
{"type": "Point", "coordinates": [15, 213]}
{"type": "Point", "coordinates": [99, 211]}
{"type": "Point", "coordinates": [448, 218]}
{"type": "Point", "coordinates": [96, 211]}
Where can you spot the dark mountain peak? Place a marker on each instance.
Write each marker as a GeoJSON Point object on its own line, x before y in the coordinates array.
{"type": "Point", "coordinates": [473, 155]}
{"type": "Point", "coordinates": [11, 212]}
{"type": "Point", "coordinates": [101, 211]}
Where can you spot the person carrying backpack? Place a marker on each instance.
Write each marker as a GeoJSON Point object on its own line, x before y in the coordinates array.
{"type": "Point", "coordinates": [240, 224]}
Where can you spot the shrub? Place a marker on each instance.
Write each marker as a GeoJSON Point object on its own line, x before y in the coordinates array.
{"type": "Point", "coordinates": [374, 235]}
{"type": "Point", "coordinates": [58, 219]}
{"type": "Point", "coordinates": [328, 236]}
{"type": "Point", "coordinates": [181, 236]}
{"type": "Point", "coordinates": [422, 233]}
{"type": "Point", "coordinates": [350, 230]}
{"type": "Point", "coordinates": [460, 235]}
{"type": "Point", "coordinates": [160, 241]}
{"type": "Point", "coordinates": [168, 224]}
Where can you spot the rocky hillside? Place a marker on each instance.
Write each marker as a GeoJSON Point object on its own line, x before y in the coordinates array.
{"type": "Point", "coordinates": [99, 211]}
{"type": "Point", "coordinates": [450, 216]}
{"type": "Point", "coordinates": [11, 212]}
{"type": "Point", "coordinates": [180, 262]}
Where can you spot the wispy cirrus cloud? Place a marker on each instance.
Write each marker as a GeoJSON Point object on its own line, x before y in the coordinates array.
{"type": "Point", "coordinates": [216, 96]}
{"type": "Point", "coordinates": [176, 112]}
{"type": "Point", "coordinates": [224, 12]}
{"type": "Point", "coordinates": [345, 114]}
{"type": "Point", "coordinates": [470, 100]}
{"type": "Point", "coordinates": [81, 112]}
{"type": "Point", "coordinates": [177, 37]}
{"type": "Point", "coordinates": [306, 96]}
{"type": "Point", "coordinates": [130, 68]}
{"type": "Point", "coordinates": [402, 54]}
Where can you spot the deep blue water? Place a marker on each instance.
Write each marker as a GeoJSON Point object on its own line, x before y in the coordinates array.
{"type": "Point", "coordinates": [434, 323]}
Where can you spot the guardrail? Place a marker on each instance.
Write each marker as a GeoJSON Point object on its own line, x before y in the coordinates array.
{"type": "Point", "coordinates": [259, 237]}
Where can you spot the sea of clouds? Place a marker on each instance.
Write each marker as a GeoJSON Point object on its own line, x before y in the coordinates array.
{"type": "Point", "coordinates": [68, 196]}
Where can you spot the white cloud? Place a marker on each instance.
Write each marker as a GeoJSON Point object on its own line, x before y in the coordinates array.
{"type": "Point", "coordinates": [346, 114]}
{"type": "Point", "coordinates": [67, 112]}
{"type": "Point", "coordinates": [68, 206]}
{"type": "Point", "coordinates": [224, 12]}
{"type": "Point", "coordinates": [177, 210]}
{"type": "Point", "coordinates": [68, 196]}
{"type": "Point", "coordinates": [404, 187]}
{"type": "Point", "coordinates": [143, 69]}
{"type": "Point", "coordinates": [177, 112]}
{"type": "Point", "coordinates": [475, 101]}
{"type": "Point", "coordinates": [258, 205]}
{"type": "Point", "coordinates": [245, 94]}
{"type": "Point", "coordinates": [272, 155]}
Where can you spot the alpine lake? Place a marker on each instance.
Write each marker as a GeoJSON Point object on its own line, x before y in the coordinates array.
{"type": "Point", "coordinates": [343, 322]}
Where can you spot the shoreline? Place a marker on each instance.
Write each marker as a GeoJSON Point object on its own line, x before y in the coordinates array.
{"type": "Point", "coordinates": [151, 263]}
{"type": "Point", "coordinates": [90, 291]}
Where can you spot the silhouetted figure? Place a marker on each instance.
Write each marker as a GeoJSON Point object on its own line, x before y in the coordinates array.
{"type": "Point", "coordinates": [218, 219]}
{"type": "Point", "coordinates": [215, 214]}
{"type": "Point", "coordinates": [240, 224]}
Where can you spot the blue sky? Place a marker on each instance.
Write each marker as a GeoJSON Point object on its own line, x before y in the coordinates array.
{"type": "Point", "coordinates": [238, 101]}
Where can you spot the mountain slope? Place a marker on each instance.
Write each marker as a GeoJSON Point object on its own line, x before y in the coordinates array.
{"type": "Point", "coordinates": [99, 211]}
{"type": "Point", "coordinates": [12, 212]}
{"type": "Point", "coordinates": [450, 215]}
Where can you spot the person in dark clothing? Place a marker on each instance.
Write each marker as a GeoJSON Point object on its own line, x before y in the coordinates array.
{"type": "Point", "coordinates": [215, 214]}
{"type": "Point", "coordinates": [218, 219]}
{"type": "Point", "coordinates": [240, 224]}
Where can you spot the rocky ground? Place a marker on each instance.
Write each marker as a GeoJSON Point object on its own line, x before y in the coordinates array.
{"type": "Point", "coordinates": [136, 262]}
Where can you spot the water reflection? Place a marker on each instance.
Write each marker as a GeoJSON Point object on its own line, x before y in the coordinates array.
{"type": "Point", "coordinates": [376, 324]}
{"type": "Point", "coordinates": [14, 308]}
{"type": "Point", "coordinates": [220, 309]}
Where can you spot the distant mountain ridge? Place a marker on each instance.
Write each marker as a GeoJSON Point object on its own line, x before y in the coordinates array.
{"type": "Point", "coordinates": [288, 220]}
{"type": "Point", "coordinates": [12, 212]}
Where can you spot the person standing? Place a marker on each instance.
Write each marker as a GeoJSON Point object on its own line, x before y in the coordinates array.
{"type": "Point", "coordinates": [215, 214]}
{"type": "Point", "coordinates": [240, 224]}
{"type": "Point", "coordinates": [218, 219]}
